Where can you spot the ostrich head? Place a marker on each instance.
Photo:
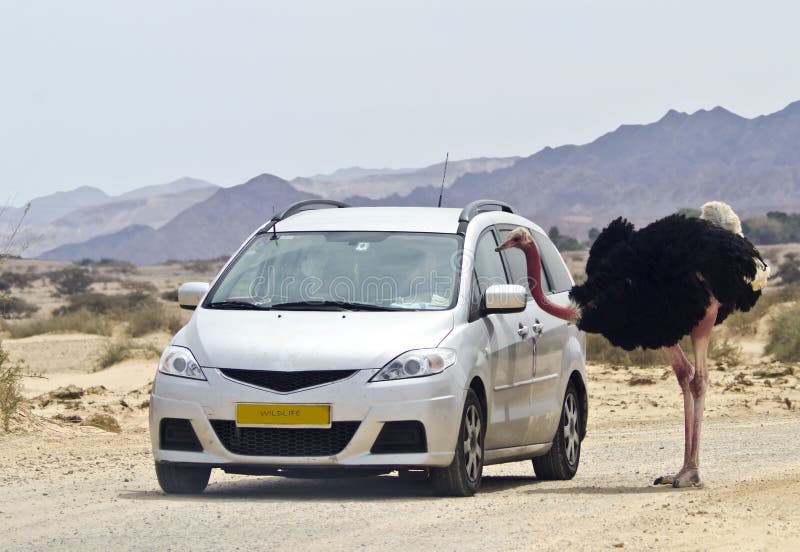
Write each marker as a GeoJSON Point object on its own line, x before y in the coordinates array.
{"type": "Point", "coordinates": [519, 237]}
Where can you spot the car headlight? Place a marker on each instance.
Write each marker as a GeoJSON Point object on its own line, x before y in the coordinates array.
{"type": "Point", "coordinates": [417, 364]}
{"type": "Point", "coordinates": [179, 361]}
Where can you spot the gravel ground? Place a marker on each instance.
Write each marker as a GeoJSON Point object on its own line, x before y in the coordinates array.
{"type": "Point", "coordinates": [82, 488]}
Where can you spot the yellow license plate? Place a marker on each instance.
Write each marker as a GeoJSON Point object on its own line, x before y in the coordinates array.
{"type": "Point", "coordinates": [283, 415]}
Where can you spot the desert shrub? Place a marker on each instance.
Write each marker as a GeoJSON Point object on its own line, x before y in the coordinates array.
{"type": "Point", "coordinates": [724, 350]}
{"type": "Point", "coordinates": [80, 322]}
{"type": "Point", "coordinates": [139, 285]}
{"type": "Point", "coordinates": [19, 280]}
{"type": "Point", "coordinates": [100, 303]}
{"type": "Point", "coordinates": [151, 318]}
{"type": "Point", "coordinates": [784, 335]}
{"type": "Point", "coordinates": [171, 295]}
{"type": "Point", "coordinates": [15, 307]}
{"type": "Point", "coordinates": [204, 266]}
{"type": "Point", "coordinates": [117, 351]}
{"type": "Point", "coordinates": [10, 388]}
{"type": "Point", "coordinates": [789, 269]}
{"type": "Point", "coordinates": [599, 350]}
{"type": "Point", "coordinates": [746, 323]}
{"type": "Point", "coordinates": [70, 281]}
{"type": "Point", "coordinates": [123, 267]}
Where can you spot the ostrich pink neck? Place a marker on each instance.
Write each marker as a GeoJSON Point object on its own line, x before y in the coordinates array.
{"type": "Point", "coordinates": [534, 263]}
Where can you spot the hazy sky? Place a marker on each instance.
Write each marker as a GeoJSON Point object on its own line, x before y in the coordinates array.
{"type": "Point", "coordinates": [125, 94]}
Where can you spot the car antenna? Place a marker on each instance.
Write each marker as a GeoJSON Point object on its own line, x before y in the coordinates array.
{"type": "Point", "coordinates": [441, 190]}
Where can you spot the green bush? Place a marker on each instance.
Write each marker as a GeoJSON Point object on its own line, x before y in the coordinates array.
{"type": "Point", "coordinates": [784, 335]}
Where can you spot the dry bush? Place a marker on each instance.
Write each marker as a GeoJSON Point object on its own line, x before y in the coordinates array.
{"type": "Point", "coordinates": [100, 303]}
{"type": "Point", "coordinates": [69, 281]}
{"type": "Point", "coordinates": [19, 280]}
{"type": "Point", "coordinates": [600, 351]}
{"type": "Point", "coordinates": [117, 351]}
{"type": "Point", "coordinates": [784, 335]}
{"type": "Point", "coordinates": [151, 318]}
{"type": "Point", "coordinates": [746, 323]}
{"type": "Point", "coordinates": [139, 286]}
{"type": "Point", "coordinates": [79, 322]}
{"type": "Point", "coordinates": [10, 388]}
{"type": "Point", "coordinates": [15, 307]}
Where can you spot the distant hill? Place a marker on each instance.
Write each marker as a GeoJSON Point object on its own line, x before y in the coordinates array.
{"type": "Point", "coordinates": [45, 209]}
{"type": "Point", "coordinates": [645, 171]}
{"type": "Point", "coordinates": [382, 183]}
{"type": "Point", "coordinates": [84, 213]}
{"type": "Point", "coordinates": [98, 220]}
{"type": "Point", "coordinates": [205, 230]}
{"type": "Point", "coordinates": [638, 171]}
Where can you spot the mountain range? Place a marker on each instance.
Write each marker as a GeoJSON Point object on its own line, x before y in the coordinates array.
{"type": "Point", "coordinates": [638, 171]}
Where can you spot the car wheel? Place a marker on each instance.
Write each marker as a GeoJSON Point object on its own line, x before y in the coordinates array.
{"type": "Point", "coordinates": [561, 462]}
{"type": "Point", "coordinates": [178, 479]}
{"type": "Point", "coordinates": [463, 476]}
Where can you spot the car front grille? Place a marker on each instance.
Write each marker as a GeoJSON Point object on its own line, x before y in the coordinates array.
{"type": "Point", "coordinates": [269, 441]}
{"type": "Point", "coordinates": [285, 382]}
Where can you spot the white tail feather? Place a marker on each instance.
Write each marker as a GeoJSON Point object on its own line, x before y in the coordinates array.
{"type": "Point", "coordinates": [723, 215]}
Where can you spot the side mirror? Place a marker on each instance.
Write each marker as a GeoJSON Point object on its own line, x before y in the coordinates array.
{"type": "Point", "coordinates": [191, 293]}
{"type": "Point", "coordinates": [504, 298]}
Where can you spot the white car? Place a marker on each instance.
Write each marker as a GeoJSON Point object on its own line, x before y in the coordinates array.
{"type": "Point", "coordinates": [372, 339]}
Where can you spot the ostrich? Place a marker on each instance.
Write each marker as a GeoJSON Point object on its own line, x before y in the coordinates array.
{"type": "Point", "coordinates": [649, 288]}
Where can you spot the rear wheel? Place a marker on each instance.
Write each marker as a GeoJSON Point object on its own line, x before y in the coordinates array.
{"type": "Point", "coordinates": [561, 462]}
{"type": "Point", "coordinates": [463, 476]}
{"type": "Point", "coordinates": [178, 479]}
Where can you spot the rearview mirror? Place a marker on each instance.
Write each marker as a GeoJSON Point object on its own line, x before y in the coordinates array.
{"type": "Point", "coordinates": [191, 293]}
{"type": "Point", "coordinates": [504, 298]}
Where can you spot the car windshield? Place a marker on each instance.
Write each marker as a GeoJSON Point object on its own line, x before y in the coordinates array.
{"type": "Point", "coordinates": [342, 270]}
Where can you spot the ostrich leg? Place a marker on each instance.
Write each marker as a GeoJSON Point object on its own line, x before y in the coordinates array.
{"type": "Point", "coordinates": [700, 338]}
{"type": "Point", "coordinates": [685, 373]}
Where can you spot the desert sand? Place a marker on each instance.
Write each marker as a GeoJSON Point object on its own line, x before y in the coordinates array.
{"type": "Point", "coordinates": [67, 485]}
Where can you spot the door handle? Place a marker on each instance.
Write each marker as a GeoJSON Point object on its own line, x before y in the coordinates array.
{"type": "Point", "coordinates": [523, 330]}
{"type": "Point", "coordinates": [538, 327]}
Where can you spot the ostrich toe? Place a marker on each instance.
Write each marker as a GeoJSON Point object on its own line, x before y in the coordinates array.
{"type": "Point", "coordinates": [689, 478]}
{"type": "Point", "coordinates": [686, 477]}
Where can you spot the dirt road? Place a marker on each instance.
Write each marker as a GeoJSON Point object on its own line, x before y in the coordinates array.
{"type": "Point", "coordinates": [81, 488]}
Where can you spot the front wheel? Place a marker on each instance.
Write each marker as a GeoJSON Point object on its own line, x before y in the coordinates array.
{"type": "Point", "coordinates": [463, 476]}
{"type": "Point", "coordinates": [561, 462]}
{"type": "Point", "coordinates": [178, 479]}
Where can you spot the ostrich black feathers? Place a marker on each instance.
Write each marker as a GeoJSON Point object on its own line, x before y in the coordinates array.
{"type": "Point", "coordinates": [649, 288]}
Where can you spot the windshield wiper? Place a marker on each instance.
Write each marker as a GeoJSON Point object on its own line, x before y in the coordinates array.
{"type": "Point", "coordinates": [240, 305]}
{"type": "Point", "coordinates": [324, 304]}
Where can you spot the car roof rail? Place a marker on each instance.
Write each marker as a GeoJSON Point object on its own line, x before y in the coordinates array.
{"type": "Point", "coordinates": [477, 207]}
{"type": "Point", "coordinates": [305, 205]}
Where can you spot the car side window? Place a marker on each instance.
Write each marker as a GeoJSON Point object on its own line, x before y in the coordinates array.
{"type": "Point", "coordinates": [560, 279]}
{"type": "Point", "coordinates": [515, 259]}
{"type": "Point", "coordinates": [488, 263]}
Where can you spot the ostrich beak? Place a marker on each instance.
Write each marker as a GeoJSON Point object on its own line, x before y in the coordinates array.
{"type": "Point", "coordinates": [505, 245]}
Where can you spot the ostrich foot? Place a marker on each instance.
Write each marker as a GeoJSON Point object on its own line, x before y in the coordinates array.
{"type": "Point", "coordinates": [686, 477]}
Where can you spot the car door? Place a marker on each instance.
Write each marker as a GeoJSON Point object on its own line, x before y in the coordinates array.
{"type": "Point", "coordinates": [509, 416]}
{"type": "Point", "coordinates": [544, 336]}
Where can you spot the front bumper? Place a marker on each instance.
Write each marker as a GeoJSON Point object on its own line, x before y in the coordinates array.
{"type": "Point", "coordinates": [435, 401]}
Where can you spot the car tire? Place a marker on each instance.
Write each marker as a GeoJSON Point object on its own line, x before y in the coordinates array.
{"type": "Point", "coordinates": [463, 476]}
{"type": "Point", "coordinates": [561, 461]}
{"type": "Point", "coordinates": [178, 479]}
